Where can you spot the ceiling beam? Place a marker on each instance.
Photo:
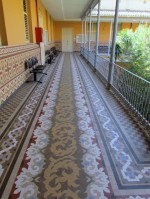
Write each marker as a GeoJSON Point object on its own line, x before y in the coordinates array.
{"type": "Point", "coordinates": [91, 5]}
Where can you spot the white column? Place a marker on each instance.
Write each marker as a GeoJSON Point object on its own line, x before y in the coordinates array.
{"type": "Point", "coordinates": [97, 34]}
{"type": "Point", "coordinates": [112, 58]}
{"type": "Point", "coordinates": [89, 34]}
{"type": "Point", "coordinates": [85, 32]}
{"type": "Point", "coordinates": [110, 37]}
{"type": "Point", "coordinates": [82, 34]}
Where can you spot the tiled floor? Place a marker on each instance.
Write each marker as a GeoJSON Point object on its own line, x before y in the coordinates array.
{"type": "Point", "coordinates": [71, 138]}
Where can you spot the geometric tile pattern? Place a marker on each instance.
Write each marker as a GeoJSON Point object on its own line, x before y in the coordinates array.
{"type": "Point", "coordinates": [134, 131]}
{"type": "Point", "coordinates": [14, 136]}
{"type": "Point", "coordinates": [67, 170]}
{"type": "Point", "coordinates": [13, 103]}
{"type": "Point", "coordinates": [12, 69]}
{"type": "Point", "coordinates": [132, 170]}
{"type": "Point", "coordinates": [50, 45]}
{"type": "Point", "coordinates": [10, 50]}
{"type": "Point", "coordinates": [79, 146]}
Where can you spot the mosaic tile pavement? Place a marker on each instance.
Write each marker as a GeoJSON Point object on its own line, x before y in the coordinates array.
{"type": "Point", "coordinates": [134, 132]}
{"type": "Point", "coordinates": [75, 146]}
{"type": "Point", "coordinates": [14, 134]}
{"type": "Point", "coordinates": [13, 103]}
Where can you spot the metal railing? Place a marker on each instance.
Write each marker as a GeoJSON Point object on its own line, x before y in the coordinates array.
{"type": "Point", "coordinates": [101, 64]}
{"type": "Point", "coordinates": [132, 88]}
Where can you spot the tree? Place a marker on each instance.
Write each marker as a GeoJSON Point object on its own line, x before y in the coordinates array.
{"type": "Point", "coordinates": [136, 47]}
{"type": "Point", "coordinates": [125, 41]}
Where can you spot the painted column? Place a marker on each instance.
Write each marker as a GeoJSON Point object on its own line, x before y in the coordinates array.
{"type": "Point", "coordinates": [97, 34]}
{"type": "Point", "coordinates": [112, 58]}
{"type": "Point", "coordinates": [82, 39]}
{"type": "Point", "coordinates": [89, 34]}
{"type": "Point", "coordinates": [110, 37]}
{"type": "Point", "coordinates": [85, 32]}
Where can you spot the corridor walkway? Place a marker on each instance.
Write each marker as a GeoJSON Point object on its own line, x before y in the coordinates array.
{"type": "Point", "coordinates": [71, 139]}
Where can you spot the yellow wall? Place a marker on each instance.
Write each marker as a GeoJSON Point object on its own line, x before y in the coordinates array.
{"type": "Point", "coordinates": [14, 22]}
{"type": "Point", "coordinates": [104, 32]}
{"type": "Point", "coordinates": [3, 39]}
{"type": "Point", "coordinates": [132, 26]}
{"type": "Point", "coordinates": [53, 29]}
{"type": "Point", "coordinates": [32, 16]}
{"type": "Point", "coordinates": [76, 26]}
{"type": "Point", "coordinates": [77, 29]}
{"type": "Point", "coordinates": [12, 28]}
{"type": "Point", "coordinates": [49, 28]}
{"type": "Point", "coordinates": [48, 22]}
{"type": "Point", "coordinates": [43, 12]}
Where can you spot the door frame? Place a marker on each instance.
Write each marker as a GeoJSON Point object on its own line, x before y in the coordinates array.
{"type": "Point", "coordinates": [71, 42]}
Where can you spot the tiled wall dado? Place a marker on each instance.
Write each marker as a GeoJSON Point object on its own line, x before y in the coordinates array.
{"type": "Point", "coordinates": [12, 68]}
{"type": "Point", "coordinates": [58, 45]}
{"type": "Point", "coordinates": [50, 45]}
{"type": "Point", "coordinates": [76, 46]}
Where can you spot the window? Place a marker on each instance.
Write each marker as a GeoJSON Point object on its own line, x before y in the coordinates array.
{"type": "Point", "coordinates": [26, 20]}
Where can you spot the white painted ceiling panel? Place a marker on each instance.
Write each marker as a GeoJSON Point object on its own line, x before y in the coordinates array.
{"type": "Point", "coordinates": [66, 9]}
{"type": "Point", "coordinates": [73, 9]}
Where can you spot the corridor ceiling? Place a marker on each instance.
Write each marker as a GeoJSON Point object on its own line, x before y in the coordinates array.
{"type": "Point", "coordinates": [66, 9]}
{"type": "Point", "coordinates": [75, 9]}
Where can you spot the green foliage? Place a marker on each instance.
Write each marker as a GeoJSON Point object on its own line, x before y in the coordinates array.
{"type": "Point", "coordinates": [136, 45]}
{"type": "Point", "coordinates": [125, 40]}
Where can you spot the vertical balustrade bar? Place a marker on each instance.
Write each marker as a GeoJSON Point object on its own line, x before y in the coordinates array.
{"type": "Point", "coordinates": [141, 96]}
{"type": "Point", "coordinates": [147, 107]}
{"type": "Point", "coordinates": [144, 99]}
{"type": "Point", "coordinates": [112, 58]}
{"type": "Point", "coordinates": [127, 79]}
{"type": "Point", "coordinates": [132, 84]}
{"type": "Point", "coordinates": [132, 88]}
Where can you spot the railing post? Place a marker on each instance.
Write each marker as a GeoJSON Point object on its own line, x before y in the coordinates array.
{"type": "Point", "coordinates": [97, 35]}
{"type": "Point", "coordinates": [112, 58]}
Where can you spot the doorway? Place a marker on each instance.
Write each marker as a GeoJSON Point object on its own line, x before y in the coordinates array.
{"type": "Point", "coordinates": [67, 40]}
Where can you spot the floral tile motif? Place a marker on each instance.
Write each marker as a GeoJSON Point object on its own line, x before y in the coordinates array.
{"type": "Point", "coordinates": [25, 187]}
{"type": "Point", "coordinates": [128, 174]}
{"type": "Point", "coordinates": [99, 186]}
{"type": "Point", "coordinates": [77, 150]}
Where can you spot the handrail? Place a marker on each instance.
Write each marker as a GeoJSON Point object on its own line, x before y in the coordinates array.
{"type": "Point", "coordinates": [133, 89]}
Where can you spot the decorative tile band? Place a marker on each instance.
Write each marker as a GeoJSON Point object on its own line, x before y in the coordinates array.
{"type": "Point", "coordinates": [10, 50]}
{"type": "Point", "coordinates": [12, 70]}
